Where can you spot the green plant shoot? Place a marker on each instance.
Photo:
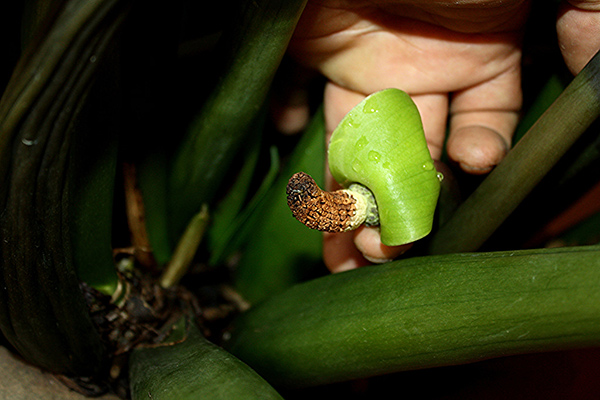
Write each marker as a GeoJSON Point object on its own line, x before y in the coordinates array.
{"type": "Point", "coordinates": [380, 144]}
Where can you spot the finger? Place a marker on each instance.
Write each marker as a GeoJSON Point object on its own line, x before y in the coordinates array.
{"type": "Point", "coordinates": [578, 30]}
{"type": "Point", "coordinates": [338, 101]}
{"type": "Point", "coordinates": [434, 114]}
{"type": "Point", "coordinates": [483, 119]}
{"type": "Point", "coordinates": [340, 254]}
{"type": "Point", "coordinates": [368, 242]}
{"type": "Point", "coordinates": [290, 109]}
{"type": "Point", "coordinates": [292, 113]}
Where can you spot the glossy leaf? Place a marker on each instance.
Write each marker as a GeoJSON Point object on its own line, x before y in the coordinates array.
{"type": "Point", "coordinates": [423, 312]}
{"type": "Point", "coordinates": [229, 230]}
{"type": "Point", "coordinates": [380, 144]}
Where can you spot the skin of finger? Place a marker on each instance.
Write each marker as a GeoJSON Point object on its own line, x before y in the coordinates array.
{"type": "Point", "coordinates": [483, 120]}
{"type": "Point", "coordinates": [367, 49]}
{"type": "Point", "coordinates": [477, 149]}
{"type": "Point", "coordinates": [588, 5]}
{"type": "Point", "coordinates": [434, 114]}
{"type": "Point", "coordinates": [368, 242]}
{"type": "Point", "coordinates": [340, 254]}
{"type": "Point", "coordinates": [578, 30]}
{"type": "Point", "coordinates": [338, 101]}
{"type": "Point", "coordinates": [290, 119]}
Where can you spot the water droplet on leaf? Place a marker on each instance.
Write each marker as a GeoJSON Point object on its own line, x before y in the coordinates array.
{"type": "Point", "coordinates": [428, 166]}
{"type": "Point", "coordinates": [371, 106]}
{"type": "Point", "coordinates": [351, 122]}
{"type": "Point", "coordinates": [374, 156]}
{"type": "Point", "coordinates": [362, 142]}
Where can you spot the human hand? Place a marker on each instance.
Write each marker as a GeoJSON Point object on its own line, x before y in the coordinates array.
{"type": "Point", "coordinates": [459, 62]}
{"type": "Point", "coordinates": [578, 30]}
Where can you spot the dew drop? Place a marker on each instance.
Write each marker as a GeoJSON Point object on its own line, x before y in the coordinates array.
{"type": "Point", "coordinates": [29, 142]}
{"type": "Point", "coordinates": [374, 156]}
{"type": "Point", "coordinates": [427, 166]}
{"type": "Point", "coordinates": [362, 142]}
{"type": "Point", "coordinates": [440, 176]}
{"type": "Point", "coordinates": [371, 106]}
{"type": "Point", "coordinates": [351, 122]}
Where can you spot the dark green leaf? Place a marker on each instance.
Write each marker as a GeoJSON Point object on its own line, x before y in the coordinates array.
{"type": "Point", "coordinates": [255, 45]}
{"type": "Point", "coordinates": [421, 313]}
{"type": "Point", "coordinates": [279, 251]}
{"type": "Point", "coordinates": [194, 369]}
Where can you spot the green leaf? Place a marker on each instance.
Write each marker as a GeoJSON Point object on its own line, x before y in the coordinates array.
{"type": "Point", "coordinates": [423, 312]}
{"type": "Point", "coordinates": [231, 206]}
{"type": "Point", "coordinates": [584, 232]}
{"type": "Point", "coordinates": [92, 174]}
{"type": "Point", "coordinates": [186, 250]}
{"type": "Point", "coordinates": [544, 99]}
{"type": "Point", "coordinates": [193, 369]}
{"type": "Point", "coordinates": [230, 233]}
{"type": "Point", "coordinates": [43, 313]}
{"type": "Point", "coordinates": [279, 250]}
{"type": "Point", "coordinates": [255, 43]}
{"type": "Point", "coordinates": [381, 145]}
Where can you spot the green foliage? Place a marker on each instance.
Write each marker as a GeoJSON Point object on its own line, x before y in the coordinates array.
{"type": "Point", "coordinates": [254, 46]}
{"type": "Point", "coordinates": [62, 131]}
{"type": "Point", "coordinates": [44, 177]}
{"type": "Point", "coordinates": [248, 54]}
{"type": "Point", "coordinates": [423, 312]}
{"type": "Point", "coordinates": [525, 166]}
{"type": "Point", "coordinates": [230, 221]}
{"type": "Point", "coordinates": [381, 145]}
{"type": "Point", "coordinates": [278, 250]}
{"type": "Point", "coordinates": [194, 369]}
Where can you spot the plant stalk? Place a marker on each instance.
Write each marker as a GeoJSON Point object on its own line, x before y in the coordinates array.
{"type": "Point", "coordinates": [524, 167]}
{"type": "Point", "coordinates": [185, 250]}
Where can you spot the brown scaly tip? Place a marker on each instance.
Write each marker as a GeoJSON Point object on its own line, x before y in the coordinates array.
{"type": "Point", "coordinates": [333, 212]}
